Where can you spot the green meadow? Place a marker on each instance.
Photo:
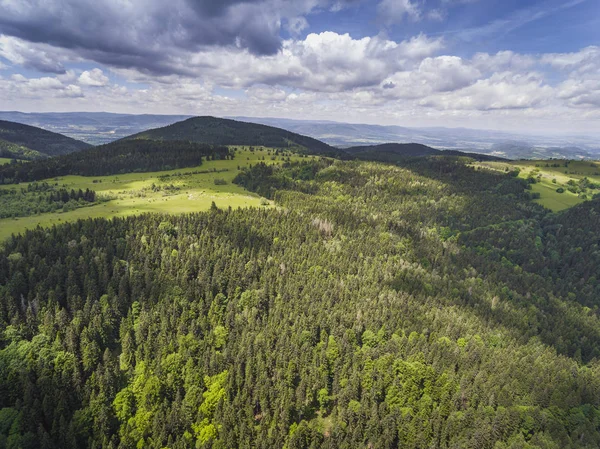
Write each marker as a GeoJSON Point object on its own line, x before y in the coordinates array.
{"type": "Point", "coordinates": [552, 175]}
{"type": "Point", "coordinates": [4, 160]}
{"type": "Point", "coordinates": [176, 191]}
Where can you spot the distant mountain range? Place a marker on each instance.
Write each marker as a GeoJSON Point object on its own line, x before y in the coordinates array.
{"type": "Point", "coordinates": [497, 143]}
{"type": "Point", "coordinates": [183, 144]}
{"type": "Point", "coordinates": [99, 127]}
{"type": "Point", "coordinates": [96, 128]}
{"type": "Point", "coordinates": [29, 142]}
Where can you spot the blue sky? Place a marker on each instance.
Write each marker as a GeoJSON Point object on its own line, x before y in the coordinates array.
{"type": "Point", "coordinates": [532, 26]}
{"type": "Point", "coordinates": [503, 64]}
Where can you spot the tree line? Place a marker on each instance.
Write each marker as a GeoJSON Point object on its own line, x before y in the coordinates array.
{"type": "Point", "coordinates": [38, 198]}
{"type": "Point", "coordinates": [124, 156]}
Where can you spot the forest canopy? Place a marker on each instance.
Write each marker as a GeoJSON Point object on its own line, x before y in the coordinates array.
{"type": "Point", "coordinates": [428, 305]}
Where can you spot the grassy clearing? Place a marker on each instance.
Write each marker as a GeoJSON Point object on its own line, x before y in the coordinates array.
{"type": "Point", "coordinates": [4, 160]}
{"type": "Point", "coordinates": [554, 174]}
{"type": "Point", "coordinates": [174, 191]}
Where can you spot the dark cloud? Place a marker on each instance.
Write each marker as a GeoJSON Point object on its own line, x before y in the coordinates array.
{"type": "Point", "coordinates": [146, 34]}
{"type": "Point", "coordinates": [212, 8]}
{"type": "Point", "coordinates": [44, 66]}
{"type": "Point", "coordinates": [40, 57]}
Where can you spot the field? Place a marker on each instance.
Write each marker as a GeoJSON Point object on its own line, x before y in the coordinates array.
{"type": "Point", "coordinates": [176, 191]}
{"type": "Point", "coordinates": [552, 175]}
{"type": "Point", "coordinates": [4, 160]}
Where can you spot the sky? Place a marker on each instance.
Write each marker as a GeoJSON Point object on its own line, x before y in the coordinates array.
{"type": "Point", "coordinates": [518, 65]}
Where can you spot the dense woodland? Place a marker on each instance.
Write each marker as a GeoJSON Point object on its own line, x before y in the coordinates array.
{"type": "Point", "coordinates": [38, 198]}
{"type": "Point", "coordinates": [123, 156]}
{"type": "Point", "coordinates": [423, 306]}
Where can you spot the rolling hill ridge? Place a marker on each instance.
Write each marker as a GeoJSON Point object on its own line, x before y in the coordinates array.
{"type": "Point", "coordinates": [218, 131]}
{"type": "Point", "coordinates": [29, 142]}
{"type": "Point", "coordinates": [183, 144]}
{"type": "Point", "coordinates": [392, 152]}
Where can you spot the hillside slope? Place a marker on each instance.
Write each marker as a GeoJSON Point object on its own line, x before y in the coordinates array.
{"type": "Point", "coordinates": [96, 128]}
{"type": "Point", "coordinates": [44, 142]}
{"type": "Point", "coordinates": [13, 151]}
{"type": "Point", "coordinates": [392, 152]}
{"type": "Point", "coordinates": [378, 306]}
{"type": "Point", "coordinates": [123, 156]}
{"type": "Point", "coordinates": [218, 131]}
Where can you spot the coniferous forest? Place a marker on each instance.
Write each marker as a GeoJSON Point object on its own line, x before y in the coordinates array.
{"type": "Point", "coordinates": [424, 305]}
{"type": "Point", "coordinates": [122, 156]}
{"type": "Point", "coordinates": [42, 197]}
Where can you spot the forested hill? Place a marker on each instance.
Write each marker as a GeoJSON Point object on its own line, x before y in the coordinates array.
{"type": "Point", "coordinates": [30, 142]}
{"type": "Point", "coordinates": [426, 305]}
{"type": "Point", "coordinates": [123, 156]}
{"type": "Point", "coordinates": [212, 130]}
{"type": "Point", "coordinates": [393, 152]}
{"type": "Point", "coordinates": [219, 131]}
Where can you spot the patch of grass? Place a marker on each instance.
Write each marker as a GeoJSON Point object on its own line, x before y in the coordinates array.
{"type": "Point", "coordinates": [174, 191]}
{"type": "Point", "coordinates": [4, 160]}
{"type": "Point", "coordinates": [551, 175]}
{"type": "Point", "coordinates": [553, 200]}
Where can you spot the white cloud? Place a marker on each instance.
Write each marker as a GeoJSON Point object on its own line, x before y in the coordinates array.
{"type": "Point", "coordinates": [438, 15]}
{"type": "Point", "coordinates": [144, 34]}
{"type": "Point", "coordinates": [40, 57]}
{"type": "Point", "coordinates": [93, 78]}
{"type": "Point", "coordinates": [20, 88]}
{"type": "Point", "coordinates": [72, 91]}
{"type": "Point", "coordinates": [68, 77]}
{"type": "Point", "coordinates": [589, 99]}
{"type": "Point", "coordinates": [580, 92]}
{"type": "Point", "coordinates": [44, 83]}
{"type": "Point", "coordinates": [296, 25]}
{"type": "Point", "coordinates": [392, 12]}
{"type": "Point", "coordinates": [585, 60]}
{"type": "Point", "coordinates": [440, 74]}
{"type": "Point", "coordinates": [18, 77]}
{"type": "Point", "coordinates": [325, 62]}
{"type": "Point", "coordinates": [458, 2]}
{"type": "Point", "coordinates": [503, 60]}
{"type": "Point", "coordinates": [501, 91]}
{"type": "Point", "coordinates": [447, 73]}
{"type": "Point", "coordinates": [266, 93]}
